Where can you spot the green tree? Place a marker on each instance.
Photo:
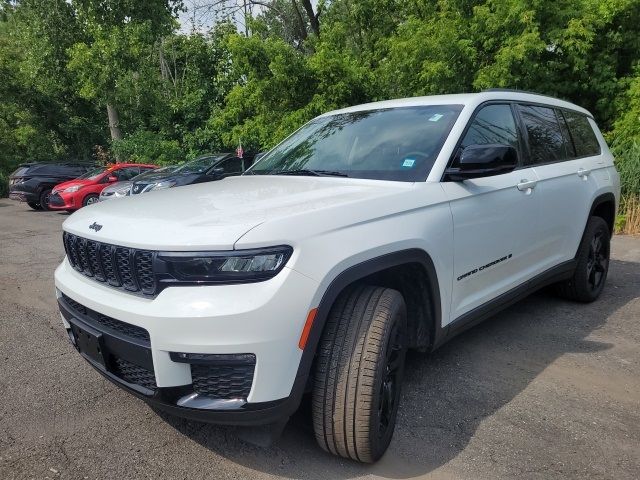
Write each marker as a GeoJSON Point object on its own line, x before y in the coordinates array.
{"type": "Point", "coordinates": [120, 36]}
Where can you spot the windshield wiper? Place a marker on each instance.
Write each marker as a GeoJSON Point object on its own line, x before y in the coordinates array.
{"type": "Point", "coordinates": [306, 171]}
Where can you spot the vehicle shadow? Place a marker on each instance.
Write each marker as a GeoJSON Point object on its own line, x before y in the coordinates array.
{"type": "Point", "coordinates": [446, 394]}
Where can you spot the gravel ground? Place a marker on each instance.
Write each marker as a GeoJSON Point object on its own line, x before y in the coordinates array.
{"type": "Point", "coordinates": [546, 389]}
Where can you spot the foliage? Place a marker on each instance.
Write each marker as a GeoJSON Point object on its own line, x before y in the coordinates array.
{"type": "Point", "coordinates": [144, 146]}
{"type": "Point", "coordinates": [178, 95]}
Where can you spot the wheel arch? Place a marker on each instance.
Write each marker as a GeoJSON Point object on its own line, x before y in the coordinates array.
{"type": "Point", "coordinates": [383, 271]}
{"type": "Point", "coordinates": [604, 206]}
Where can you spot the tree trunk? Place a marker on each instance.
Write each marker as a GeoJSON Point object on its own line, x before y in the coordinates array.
{"type": "Point", "coordinates": [303, 27]}
{"type": "Point", "coordinates": [314, 21]}
{"type": "Point", "coordinates": [114, 124]}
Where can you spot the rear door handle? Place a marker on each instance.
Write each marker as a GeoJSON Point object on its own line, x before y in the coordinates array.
{"type": "Point", "coordinates": [526, 185]}
{"type": "Point", "coordinates": [583, 173]}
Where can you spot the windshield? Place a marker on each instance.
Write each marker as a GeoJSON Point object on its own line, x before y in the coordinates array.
{"type": "Point", "coordinates": [389, 144]}
{"type": "Point", "coordinates": [199, 165]}
{"type": "Point", "coordinates": [154, 172]}
{"type": "Point", "coordinates": [93, 174]}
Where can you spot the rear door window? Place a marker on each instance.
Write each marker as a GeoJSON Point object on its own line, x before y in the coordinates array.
{"type": "Point", "coordinates": [546, 143]}
{"type": "Point", "coordinates": [584, 138]}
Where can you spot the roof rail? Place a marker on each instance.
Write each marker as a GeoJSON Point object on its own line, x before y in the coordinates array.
{"type": "Point", "coordinates": [515, 90]}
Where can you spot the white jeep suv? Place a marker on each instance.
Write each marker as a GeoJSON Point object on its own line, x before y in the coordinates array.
{"type": "Point", "coordinates": [369, 231]}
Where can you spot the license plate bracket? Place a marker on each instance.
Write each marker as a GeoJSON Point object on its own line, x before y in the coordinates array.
{"type": "Point", "coordinates": [90, 344]}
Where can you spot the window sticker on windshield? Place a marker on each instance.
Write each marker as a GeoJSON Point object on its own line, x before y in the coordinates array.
{"type": "Point", "coordinates": [436, 117]}
{"type": "Point", "coordinates": [408, 162]}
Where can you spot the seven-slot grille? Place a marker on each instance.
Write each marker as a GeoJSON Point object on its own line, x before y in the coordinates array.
{"type": "Point", "coordinates": [122, 267]}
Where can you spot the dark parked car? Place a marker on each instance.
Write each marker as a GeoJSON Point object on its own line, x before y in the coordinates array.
{"type": "Point", "coordinates": [203, 169]}
{"type": "Point", "coordinates": [32, 182]}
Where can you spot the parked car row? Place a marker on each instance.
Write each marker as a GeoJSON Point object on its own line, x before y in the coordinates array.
{"type": "Point", "coordinates": [72, 186]}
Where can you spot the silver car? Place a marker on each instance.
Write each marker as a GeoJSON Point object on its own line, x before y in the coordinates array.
{"type": "Point", "coordinates": [123, 189]}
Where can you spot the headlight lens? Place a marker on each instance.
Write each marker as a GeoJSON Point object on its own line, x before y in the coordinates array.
{"type": "Point", "coordinates": [162, 185]}
{"type": "Point", "coordinates": [75, 188]}
{"type": "Point", "coordinates": [223, 267]}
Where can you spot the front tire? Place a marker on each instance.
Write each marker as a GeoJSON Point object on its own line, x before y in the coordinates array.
{"type": "Point", "coordinates": [44, 200]}
{"type": "Point", "coordinates": [592, 266]}
{"type": "Point", "coordinates": [90, 199]}
{"type": "Point", "coordinates": [358, 373]}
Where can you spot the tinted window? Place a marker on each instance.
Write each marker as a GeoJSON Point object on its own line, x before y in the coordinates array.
{"type": "Point", "coordinates": [492, 124]}
{"type": "Point", "coordinates": [20, 171]}
{"type": "Point", "coordinates": [231, 165]}
{"type": "Point", "coordinates": [199, 165]}
{"type": "Point", "coordinates": [546, 143]}
{"type": "Point", "coordinates": [568, 142]}
{"type": "Point", "coordinates": [127, 173]}
{"type": "Point", "coordinates": [584, 139]}
{"type": "Point", "coordinates": [386, 144]}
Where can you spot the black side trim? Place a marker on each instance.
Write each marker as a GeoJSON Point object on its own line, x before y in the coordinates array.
{"type": "Point", "coordinates": [349, 276]}
{"type": "Point", "coordinates": [489, 309]}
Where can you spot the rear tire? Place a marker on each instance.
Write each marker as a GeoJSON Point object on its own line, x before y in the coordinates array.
{"type": "Point", "coordinates": [34, 205]}
{"type": "Point", "coordinates": [592, 266]}
{"type": "Point", "coordinates": [358, 373]}
{"type": "Point", "coordinates": [44, 200]}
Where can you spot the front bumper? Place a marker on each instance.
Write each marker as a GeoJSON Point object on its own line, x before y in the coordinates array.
{"type": "Point", "coordinates": [21, 196]}
{"type": "Point", "coordinates": [263, 319]}
{"type": "Point", "coordinates": [58, 201]}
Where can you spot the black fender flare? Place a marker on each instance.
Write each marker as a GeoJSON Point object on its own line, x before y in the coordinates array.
{"type": "Point", "coordinates": [607, 197]}
{"type": "Point", "coordinates": [346, 278]}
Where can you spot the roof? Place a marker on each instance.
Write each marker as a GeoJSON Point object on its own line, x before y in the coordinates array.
{"type": "Point", "coordinates": [467, 99]}
{"type": "Point", "coordinates": [123, 165]}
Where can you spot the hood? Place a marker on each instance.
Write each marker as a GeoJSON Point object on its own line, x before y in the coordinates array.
{"type": "Point", "coordinates": [71, 183]}
{"type": "Point", "coordinates": [214, 215]}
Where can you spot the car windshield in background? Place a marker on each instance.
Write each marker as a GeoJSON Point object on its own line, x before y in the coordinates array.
{"type": "Point", "coordinates": [199, 165]}
{"type": "Point", "coordinates": [153, 172]}
{"type": "Point", "coordinates": [93, 174]}
{"type": "Point", "coordinates": [389, 144]}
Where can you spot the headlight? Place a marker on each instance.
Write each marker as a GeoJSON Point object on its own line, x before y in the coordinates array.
{"type": "Point", "coordinates": [162, 185]}
{"type": "Point", "coordinates": [222, 267]}
{"type": "Point", "coordinates": [75, 188]}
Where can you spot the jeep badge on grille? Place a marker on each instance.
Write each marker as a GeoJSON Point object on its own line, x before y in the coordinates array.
{"type": "Point", "coordinates": [95, 226]}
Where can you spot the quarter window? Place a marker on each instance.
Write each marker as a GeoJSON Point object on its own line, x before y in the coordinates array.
{"type": "Point", "coordinates": [584, 139]}
{"type": "Point", "coordinates": [546, 143]}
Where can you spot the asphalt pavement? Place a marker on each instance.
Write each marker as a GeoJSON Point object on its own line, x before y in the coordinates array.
{"type": "Point", "coordinates": [546, 389]}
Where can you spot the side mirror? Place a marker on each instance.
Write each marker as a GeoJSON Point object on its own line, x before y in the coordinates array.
{"type": "Point", "coordinates": [112, 179]}
{"type": "Point", "coordinates": [483, 161]}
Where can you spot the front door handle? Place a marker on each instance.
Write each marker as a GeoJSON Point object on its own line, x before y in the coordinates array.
{"type": "Point", "coordinates": [525, 185]}
{"type": "Point", "coordinates": [583, 173]}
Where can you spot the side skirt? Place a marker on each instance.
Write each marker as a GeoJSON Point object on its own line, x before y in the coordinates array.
{"type": "Point", "coordinates": [467, 320]}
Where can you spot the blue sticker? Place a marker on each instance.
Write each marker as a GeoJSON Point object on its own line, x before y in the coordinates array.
{"type": "Point", "coordinates": [436, 117]}
{"type": "Point", "coordinates": [408, 162]}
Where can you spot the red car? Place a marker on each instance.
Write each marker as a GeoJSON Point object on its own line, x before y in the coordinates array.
{"type": "Point", "coordinates": [85, 190]}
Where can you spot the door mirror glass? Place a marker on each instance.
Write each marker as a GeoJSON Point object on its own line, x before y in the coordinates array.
{"type": "Point", "coordinates": [112, 179]}
{"type": "Point", "coordinates": [483, 161]}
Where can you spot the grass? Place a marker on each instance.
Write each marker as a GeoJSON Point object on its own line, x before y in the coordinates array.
{"type": "Point", "coordinates": [628, 219]}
